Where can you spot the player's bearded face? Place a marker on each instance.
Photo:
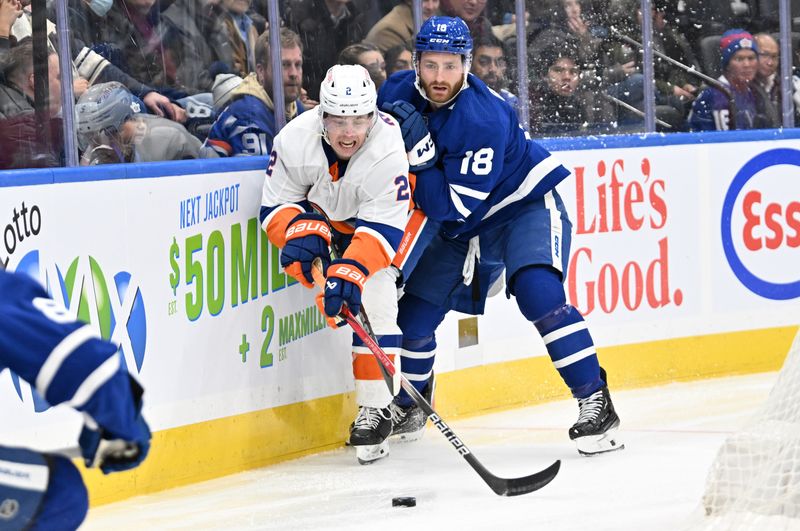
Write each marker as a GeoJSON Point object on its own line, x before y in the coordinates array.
{"type": "Point", "coordinates": [441, 75]}
{"type": "Point", "coordinates": [346, 134]}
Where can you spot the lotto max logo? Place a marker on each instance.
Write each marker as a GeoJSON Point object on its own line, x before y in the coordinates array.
{"type": "Point", "coordinates": [113, 304]}
{"type": "Point", "coordinates": [760, 224]}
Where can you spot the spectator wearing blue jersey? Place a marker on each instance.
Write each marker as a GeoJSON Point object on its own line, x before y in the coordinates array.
{"type": "Point", "coordinates": [67, 363]}
{"type": "Point", "coordinates": [492, 192]}
{"type": "Point", "coordinates": [710, 111]}
{"type": "Point", "coordinates": [246, 126]}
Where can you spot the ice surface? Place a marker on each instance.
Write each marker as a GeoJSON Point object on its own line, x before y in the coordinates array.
{"type": "Point", "coordinates": [671, 434]}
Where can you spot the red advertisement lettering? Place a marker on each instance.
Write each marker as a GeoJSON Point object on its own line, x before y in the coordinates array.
{"type": "Point", "coordinates": [770, 231]}
{"type": "Point", "coordinates": [638, 282]}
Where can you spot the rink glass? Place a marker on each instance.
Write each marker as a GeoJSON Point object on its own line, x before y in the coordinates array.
{"type": "Point", "coordinates": [621, 87]}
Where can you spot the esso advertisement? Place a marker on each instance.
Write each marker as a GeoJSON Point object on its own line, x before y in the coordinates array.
{"type": "Point", "coordinates": [628, 255]}
{"type": "Point", "coordinates": [759, 225]}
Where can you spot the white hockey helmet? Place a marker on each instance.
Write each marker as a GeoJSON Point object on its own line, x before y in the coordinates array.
{"type": "Point", "coordinates": [347, 90]}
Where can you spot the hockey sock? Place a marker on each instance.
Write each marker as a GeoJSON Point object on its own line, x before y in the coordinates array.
{"type": "Point", "coordinates": [371, 390]}
{"type": "Point", "coordinates": [418, 320]}
{"type": "Point", "coordinates": [541, 298]}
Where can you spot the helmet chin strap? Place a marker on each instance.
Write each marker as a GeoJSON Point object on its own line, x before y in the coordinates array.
{"type": "Point", "coordinates": [322, 125]}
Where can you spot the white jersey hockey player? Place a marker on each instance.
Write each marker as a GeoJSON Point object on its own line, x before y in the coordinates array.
{"type": "Point", "coordinates": [340, 175]}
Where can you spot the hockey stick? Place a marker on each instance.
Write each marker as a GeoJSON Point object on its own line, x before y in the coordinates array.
{"type": "Point", "coordinates": [392, 383]}
{"type": "Point", "coordinates": [500, 486]}
{"type": "Point", "coordinates": [114, 448]}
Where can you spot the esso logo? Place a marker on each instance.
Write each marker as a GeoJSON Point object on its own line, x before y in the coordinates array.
{"type": "Point", "coordinates": [770, 225]}
{"type": "Point", "coordinates": [760, 224]}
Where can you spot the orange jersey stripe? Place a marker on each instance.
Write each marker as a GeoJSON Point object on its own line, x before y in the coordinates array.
{"type": "Point", "coordinates": [221, 144]}
{"type": "Point", "coordinates": [412, 183]}
{"type": "Point", "coordinates": [333, 169]}
{"type": "Point", "coordinates": [365, 366]}
{"type": "Point", "coordinates": [414, 225]}
{"type": "Point", "coordinates": [276, 229]}
{"type": "Point", "coordinates": [342, 227]}
{"type": "Point", "coordinates": [368, 251]}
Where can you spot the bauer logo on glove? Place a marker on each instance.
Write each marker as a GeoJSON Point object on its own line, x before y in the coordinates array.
{"type": "Point", "coordinates": [304, 228]}
{"type": "Point", "coordinates": [343, 285]}
{"type": "Point", "coordinates": [308, 236]}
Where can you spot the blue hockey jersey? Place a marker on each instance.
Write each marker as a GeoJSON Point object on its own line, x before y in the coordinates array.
{"type": "Point", "coordinates": [710, 110]}
{"type": "Point", "coordinates": [247, 125]}
{"type": "Point", "coordinates": [66, 361]}
{"type": "Point", "coordinates": [487, 165]}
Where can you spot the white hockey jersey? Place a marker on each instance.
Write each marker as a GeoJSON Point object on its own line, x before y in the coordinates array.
{"type": "Point", "coordinates": [369, 195]}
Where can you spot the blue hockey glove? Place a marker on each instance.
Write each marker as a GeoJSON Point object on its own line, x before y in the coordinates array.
{"type": "Point", "coordinates": [344, 281]}
{"type": "Point", "coordinates": [114, 453]}
{"type": "Point", "coordinates": [416, 137]}
{"type": "Point", "coordinates": [308, 236]}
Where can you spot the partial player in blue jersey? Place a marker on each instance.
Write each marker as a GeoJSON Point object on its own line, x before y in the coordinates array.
{"type": "Point", "coordinates": [67, 363]}
{"type": "Point", "coordinates": [492, 192]}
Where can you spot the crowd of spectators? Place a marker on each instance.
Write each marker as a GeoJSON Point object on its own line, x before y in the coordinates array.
{"type": "Point", "coordinates": [200, 73]}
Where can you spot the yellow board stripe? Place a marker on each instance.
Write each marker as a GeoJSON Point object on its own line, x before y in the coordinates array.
{"type": "Point", "coordinates": [198, 452]}
{"type": "Point", "coordinates": [206, 450]}
{"type": "Point", "coordinates": [479, 390]}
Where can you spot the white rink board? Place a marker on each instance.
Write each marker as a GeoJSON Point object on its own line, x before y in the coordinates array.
{"type": "Point", "coordinates": [680, 231]}
{"type": "Point", "coordinates": [193, 370]}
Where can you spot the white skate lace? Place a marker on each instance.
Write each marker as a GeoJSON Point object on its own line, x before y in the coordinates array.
{"type": "Point", "coordinates": [398, 413]}
{"type": "Point", "coordinates": [590, 407]}
{"type": "Point", "coordinates": [369, 417]}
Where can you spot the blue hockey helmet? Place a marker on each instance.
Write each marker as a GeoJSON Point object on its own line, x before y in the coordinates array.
{"type": "Point", "coordinates": [444, 34]}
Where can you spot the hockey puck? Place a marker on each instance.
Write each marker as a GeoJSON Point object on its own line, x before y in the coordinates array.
{"type": "Point", "coordinates": [404, 501]}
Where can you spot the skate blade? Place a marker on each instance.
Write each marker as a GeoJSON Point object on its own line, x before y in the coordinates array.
{"type": "Point", "coordinates": [409, 436]}
{"type": "Point", "coordinates": [368, 454]}
{"type": "Point", "coordinates": [599, 444]}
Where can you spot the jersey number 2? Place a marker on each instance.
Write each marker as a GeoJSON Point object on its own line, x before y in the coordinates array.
{"type": "Point", "coordinates": [273, 157]}
{"type": "Point", "coordinates": [401, 181]}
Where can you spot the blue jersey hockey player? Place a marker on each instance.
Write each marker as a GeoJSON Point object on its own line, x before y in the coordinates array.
{"type": "Point", "coordinates": [67, 363]}
{"type": "Point", "coordinates": [492, 190]}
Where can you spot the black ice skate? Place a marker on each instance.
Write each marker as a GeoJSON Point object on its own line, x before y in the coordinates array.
{"type": "Point", "coordinates": [369, 433]}
{"type": "Point", "coordinates": [408, 423]}
{"type": "Point", "coordinates": [596, 429]}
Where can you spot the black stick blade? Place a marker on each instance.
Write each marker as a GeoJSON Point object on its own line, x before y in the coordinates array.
{"type": "Point", "coordinates": [524, 485]}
